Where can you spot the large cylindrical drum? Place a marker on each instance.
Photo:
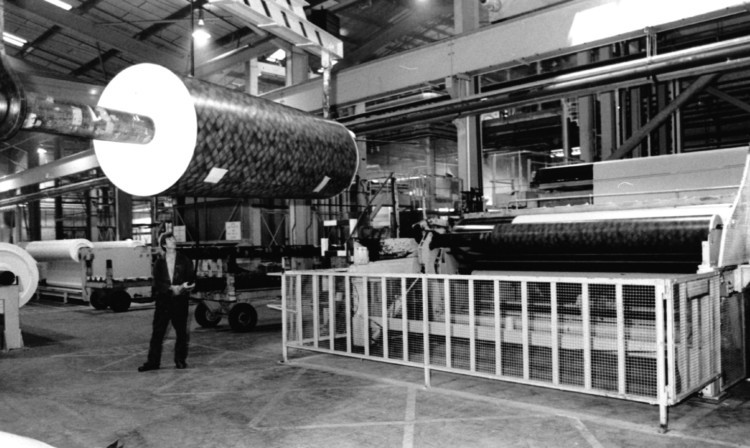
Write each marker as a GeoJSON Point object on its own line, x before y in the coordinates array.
{"type": "Point", "coordinates": [215, 142]}
{"type": "Point", "coordinates": [57, 250]}
{"type": "Point", "coordinates": [16, 260]}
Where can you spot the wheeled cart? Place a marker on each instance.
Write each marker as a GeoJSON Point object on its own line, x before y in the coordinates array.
{"type": "Point", "coordinates": [244, 309]}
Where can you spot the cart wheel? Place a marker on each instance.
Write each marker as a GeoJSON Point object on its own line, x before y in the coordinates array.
{"type": "Point", "coordinates": [119, 300]}
{"type": "Point", "coordinates": [99, 299]}
{"type": "Point", "coordinates": [243, 317]}
{"type": "Point", "coordinates": [205, 317]}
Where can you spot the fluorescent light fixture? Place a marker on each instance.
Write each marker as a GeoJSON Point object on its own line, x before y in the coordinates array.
{"type": "Point", "coordinates": [13, 39]}
{"type": "Point", "coordinates": [60, 4]}
{"type": "Point", "coordinates": [276, 56]}
{"type": "Point", "coordinates": [41, 151]}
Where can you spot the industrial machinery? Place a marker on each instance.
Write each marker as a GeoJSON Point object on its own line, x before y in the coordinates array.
{"type": "Point", "coordinates": [635, 292]}
{"type": "Point", "coordinates": [199, 140]}
{"type": "Point", "coordinates": [106, 274]}
{"type": "Point", "coordinates": [239, 282]}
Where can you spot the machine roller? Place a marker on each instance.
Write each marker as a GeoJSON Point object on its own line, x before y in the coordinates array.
{"type": "Point", "coordinates": [668, 244]}
{"type": "Point", "coordinates": [155, 132]}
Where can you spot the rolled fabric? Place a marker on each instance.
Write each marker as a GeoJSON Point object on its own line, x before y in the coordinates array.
{"type": "Point", "coordinates": [57, 250]}
{"type": "Point", "coordinates": [117, 244]}
{"type": "Point", "coordinates": [16, 260]}
{"type": "Point", "coordinates": [215, 142]}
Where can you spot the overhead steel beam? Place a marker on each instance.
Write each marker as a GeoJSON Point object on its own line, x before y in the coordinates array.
{"type": "Point", "coordinates": [235, 57]}
{"type": "Point", "coordinates": [568, 27]}
{"type": "Point", "coordinates": [686, 95]}
{"type": "Point", "coordinates": [77, 163]}
{"type": "Point", "coordinates": [182, 13]}
{"type": "Point", "coordinates": [405, 27]}
{"type": "Point", "coordinates": [711, 58]}
{"type": "Point", "coordinates": [728, 98]}
{"type": "Point", "coordinates": [87, 30]}
{"type": "Point", "coordinates": [54, 192]}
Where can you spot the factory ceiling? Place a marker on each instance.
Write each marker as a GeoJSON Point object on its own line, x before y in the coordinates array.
{"type": "Point", "coordinates": [92, 40]}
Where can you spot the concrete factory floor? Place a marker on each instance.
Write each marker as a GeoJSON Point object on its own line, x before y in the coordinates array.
{"type": "Point", "coordinates": [75, 385]}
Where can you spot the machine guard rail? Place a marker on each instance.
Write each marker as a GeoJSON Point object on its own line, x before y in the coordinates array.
{"type": "Point", "coordinates": [643, 338]}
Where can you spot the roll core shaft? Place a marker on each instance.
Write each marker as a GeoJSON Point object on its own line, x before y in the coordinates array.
{"type": "Point", "coordinates": [45, 114]}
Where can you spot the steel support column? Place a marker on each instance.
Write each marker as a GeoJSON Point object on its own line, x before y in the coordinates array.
{"type": "Point", "coordinates": [123, 215]}
{"type": "Point", "coordinates": [301, 230]}
{"type": "Point", "coordinates": [635, 140]}
{"type": "Point", "coordinates": [465, 15]}
{"type": "Point", "coordinates": [469, 160]}
{"type": "Point", "coordinates": [586, 119]}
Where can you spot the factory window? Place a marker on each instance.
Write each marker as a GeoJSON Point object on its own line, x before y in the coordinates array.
{"type": "Point", "coordinates": [265, 8]}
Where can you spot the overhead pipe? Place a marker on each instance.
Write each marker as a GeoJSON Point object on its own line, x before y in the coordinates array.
{"type": "Point", "coordinates": [65, 166]}
{"type": "Point", "coordinates": [54, 192]}
{"type": "Point", "coordinates": [715, 57]}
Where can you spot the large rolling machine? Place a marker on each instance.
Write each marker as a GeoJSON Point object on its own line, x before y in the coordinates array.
{"type": "Point", "coordinates": [636, 294]}
{"type": "Point", "coordinates": [156, 132]}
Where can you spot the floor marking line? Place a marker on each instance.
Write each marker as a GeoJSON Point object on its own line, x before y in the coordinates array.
{"type": "Point", "coordinates": [409, 417]}
{"type": "Point", "coordinates": [102, 368]}
{"type": "Point", "coordinates": [281, 392]}
{"type": "Point", "coordinates": [537, 408]}
{"type": "Point", "coordinates": [584, 431]}
{"type": "Point", "coordinates": [399, 423]}
{"type": "Point", "coordinates": [305, 389]}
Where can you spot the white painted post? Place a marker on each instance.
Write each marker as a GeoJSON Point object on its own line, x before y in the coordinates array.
{"type": "Point", "coordinates": [426, 333]}
{"type": "Point", "coordinates": [9, 295]}
{"type": "Point", "coordinates": [621, 352]}
{"type": "Point", "coordinates": [554, 334]}
{"type": "Point", "coordinates": [284, 317]}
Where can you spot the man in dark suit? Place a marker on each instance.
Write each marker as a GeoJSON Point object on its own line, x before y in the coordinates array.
{"type": "Point", "coordinates": [174, 278]}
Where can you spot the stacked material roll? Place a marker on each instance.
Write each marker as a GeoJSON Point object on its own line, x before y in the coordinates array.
{"type": "Point", "coordinates": [58, 250]}
{"type": "Point", "coordinates": [16, 260]}
{"type": "Point", "coordinates": [216, 142]}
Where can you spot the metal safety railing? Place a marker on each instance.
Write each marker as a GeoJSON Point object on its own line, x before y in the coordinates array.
{"type": "Point", "coordinates": [654, 340]}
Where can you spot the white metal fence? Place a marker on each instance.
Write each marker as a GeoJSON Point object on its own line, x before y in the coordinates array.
{"type": "Point", "coordinates": [655, 340]}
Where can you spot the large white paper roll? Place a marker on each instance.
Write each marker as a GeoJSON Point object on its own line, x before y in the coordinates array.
{"type": "Point", "coordinates": [19, 262]}
{"type": "Point", "coordinates": [56, 250]}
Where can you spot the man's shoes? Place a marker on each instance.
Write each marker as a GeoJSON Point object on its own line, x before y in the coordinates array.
{"type": "Point", "coordinates": [180, 365]}
{"type": "Point", "coordinates": [146, 367]}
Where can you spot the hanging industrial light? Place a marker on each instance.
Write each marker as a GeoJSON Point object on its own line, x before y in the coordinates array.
{"type": "Point", "coordinates": [200, 34]}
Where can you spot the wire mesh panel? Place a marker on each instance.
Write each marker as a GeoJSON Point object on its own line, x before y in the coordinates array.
{"type": "Point", "coordinates": [646, 339]}
{"type": "Point", "coordinates": [539, 329]}
{"type": "Point", "coordinates": [639, 316]}
{"type": "Point", "coordinates": [486, 325]}
{"type": "Point", "coordinates": [511, 350]}
{"type": "Point", "coordinates": [733, 362]}
{"type": "Point", "coordinates": [569, 334]}
{"type": "Point", "coordinates": [697, 335]}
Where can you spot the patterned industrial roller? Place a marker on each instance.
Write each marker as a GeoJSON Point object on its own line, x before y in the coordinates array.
{"type": "Point", "coordinates": [215, 142]}
{"type": "Point", "coordinates": [667, 244]}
